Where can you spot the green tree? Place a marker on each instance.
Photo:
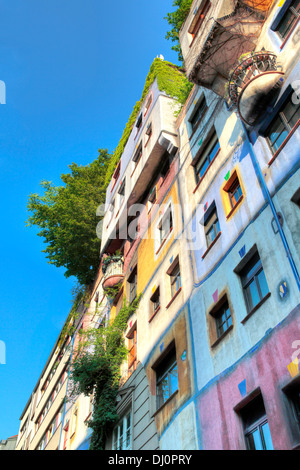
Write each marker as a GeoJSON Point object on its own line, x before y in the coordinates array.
{"type": "Point", "coordinates": [176, 20]}
{"type": "Point", "coordinates": [66, 217]}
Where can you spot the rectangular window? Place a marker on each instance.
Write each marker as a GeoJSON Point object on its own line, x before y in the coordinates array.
{"type": "Point", "coordinates": [207, 155]}
{"type": "Point", "coordinates": [175, 279]}
{"type": "Point", "coordinates": [166, 378]}
{"type": "Point", "coordinates": [199, 18]}
{"type": "Point", "coordinates": [132, 281]}
{"type": "Point", "coordinates": [254, 282]}
{"type": "Point", "coordinates": [282, 124]}
{"type": "Point", "coordinates": [122, 433]}
{"type": "Point", "coordinates": [234, 192]}
{"type": "Point", "coordinates": [212, 227]}
{"type": "Point", "coordinates": [223, 319]}
{"type": "Point", "coordinates": [139, 124]}
{"type": "Point", "coordinates": [132, 355]}
{"type": "Point", "coordinates": [289, 19]}
{"type": "Point", "coordinates": [198, 114]}
{"type": "Point", "coordinates": [138, 154]}
{"type": "Point", "coordinates": [256, 427]}
{"type": "Point", "coordinates": [121, 193]}
{"type": "Point", "coordinates": [166, 225]}
{"type": "Point", "coordinates": [155, 302]}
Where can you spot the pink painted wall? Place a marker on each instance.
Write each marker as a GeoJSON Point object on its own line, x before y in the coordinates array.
{"type": "Point", "coordinates": [266, 368]}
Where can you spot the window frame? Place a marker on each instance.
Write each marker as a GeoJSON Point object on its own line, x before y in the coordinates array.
{"type": "Point", "coordinates": [117, 444]}
{"type": "Point", "coordinates": [163, 371]}
{"type": "Point", "coordinates": [288, 10]}
{"type": "Point", "coordinates": [283, 121]}
{"type": "Point", "coordinates": [212, 224]}
{"type": "Point", "coordinates": [247, 282]}
{"type": "Point", "coordinates": [200, 106]}
{"type": "Point", "coordinates": [132, 281]}
{"type": "Point", "coordinates": [206, 155]}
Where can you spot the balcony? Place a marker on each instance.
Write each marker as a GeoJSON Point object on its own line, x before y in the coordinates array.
{"type": "Point", "coordinates": [112, 269]}
{"type": "Point", "coordinates": [144, 155]}
{"type": "Point", "coordinates": [227, 30]}
{"type": "Point", "coordinates": [253, 84]}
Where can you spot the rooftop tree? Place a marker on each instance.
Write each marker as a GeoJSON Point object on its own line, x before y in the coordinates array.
{"type": "Point", "coordinates": [66, 217]}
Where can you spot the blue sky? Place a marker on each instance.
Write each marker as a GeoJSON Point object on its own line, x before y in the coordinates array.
{"type": "Point", "coordinates": [73, 71]}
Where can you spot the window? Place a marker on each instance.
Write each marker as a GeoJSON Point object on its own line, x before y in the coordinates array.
{"type": "Point", "coordinates": [289, 19]}
{"type": "Point", "coordinates": [166, 378]}
{"type": "Point", "coordinates": [139, 124]}
{"type": "Point", "coordinates": [155, 302]}
{"type": "Point", "coordinates": [148, 133]}
{"type": "Point", "coordinates": [254, 282]}
{"type": "Point", "coordinates": [148, 104]}
{"type": "Point", "coordinates": [132, 281]}
{"type": "Point", "coordinates": [175, 279]}
{"type": "Point", "coordinates": [138, 154]}
{"type": "Point", "coordinates": [212, 227]}
{"type": "Point", "coordinates": [166, 225]}
{"type": "Point", "coordinates": [122, 433]}
{"type": "Point", "coordinates": [282, 125]}
{"type": "Point", "coordinates": [296, 198]}
{"type": "Point", "coordinates": [234, 192]}
{"type": "Point", "coordinates": [256, 427]}
{"type": "Point", "coordinates": [207, 155]}
{"type": "Point", "coordinates": [198, 114]}
{"type": "Point", "coordinates": [166, 165]}
{"type": "Point", "coordinates": [199, 18]}
{"type": "Point", "coordinates": [292, 392]}
{"type": "Point", "coordinates": [132, 355]}
{"type": "Point", "coordinates": [121, 193]}
{"type": "Point", "coordinates": [223, 319]}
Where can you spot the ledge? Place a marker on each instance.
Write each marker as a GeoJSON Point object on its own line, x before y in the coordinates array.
{"type": "Point", "coordinates": [234, 208]}
{"type": "Point", "coordinates": [174, 297]}
{"type": "Point", "coordinates": [212, 244]}
{"type": "Point", "coordinates": [257, 306]}
{"type": "Point", "coordinates": [221, 337]}
{"type": "Point", "coordinates": [153, 314]}
{"type": "Point", "coordinates": [163, 242]}
{"type": "Point", "coordinates": [165, 403]}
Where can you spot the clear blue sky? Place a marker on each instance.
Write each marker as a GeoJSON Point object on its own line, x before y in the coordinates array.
{"type": "Point", "coordinates": [73, 70]}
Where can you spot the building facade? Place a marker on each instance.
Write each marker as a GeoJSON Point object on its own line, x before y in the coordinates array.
{"type": "Point", "coordinates": [202, 220]}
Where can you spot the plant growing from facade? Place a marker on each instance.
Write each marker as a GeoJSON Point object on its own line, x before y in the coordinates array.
{"type": "Point", "coordinates": [67, 220]}
{"type": "Point", "coordinates": [96, 369]}
{"type": "Point", "coordinates": [170, 79]}
{"type": "Point", "coordinates": [176, 20]}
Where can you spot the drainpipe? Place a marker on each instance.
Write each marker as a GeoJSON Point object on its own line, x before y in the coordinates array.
{"type": "Point", "coordinates": [272, 206]}
{"type": "Point", "coordinates": [65, 399]}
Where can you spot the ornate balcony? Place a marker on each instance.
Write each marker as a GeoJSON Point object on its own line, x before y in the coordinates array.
{"type": "Point", "coordinates": [112, 268]}
{"type": "Point", "coordinates": [253, 83]}
{"type": "Point", "coordinates": [227, 30]}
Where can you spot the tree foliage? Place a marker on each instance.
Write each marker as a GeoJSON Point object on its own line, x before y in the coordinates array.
{"type": "Point", "coordinates": [176, 20]}
{"type": "Point", "coordinates": [66, 217]}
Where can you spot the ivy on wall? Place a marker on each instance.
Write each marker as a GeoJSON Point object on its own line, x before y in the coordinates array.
{"type": "Point", "coordinates": [171, 80]}
{"type": "Point", "coordinates": [96, 370]}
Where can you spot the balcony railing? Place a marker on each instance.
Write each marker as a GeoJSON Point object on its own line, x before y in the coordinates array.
{"type": "Point", "coordinates": [112, 269]}
{"type": "Point", "coordinates": [253, 83]}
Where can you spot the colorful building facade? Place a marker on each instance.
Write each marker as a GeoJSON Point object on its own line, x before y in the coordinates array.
{"type": "Point", "coordinates": [202, 220]}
